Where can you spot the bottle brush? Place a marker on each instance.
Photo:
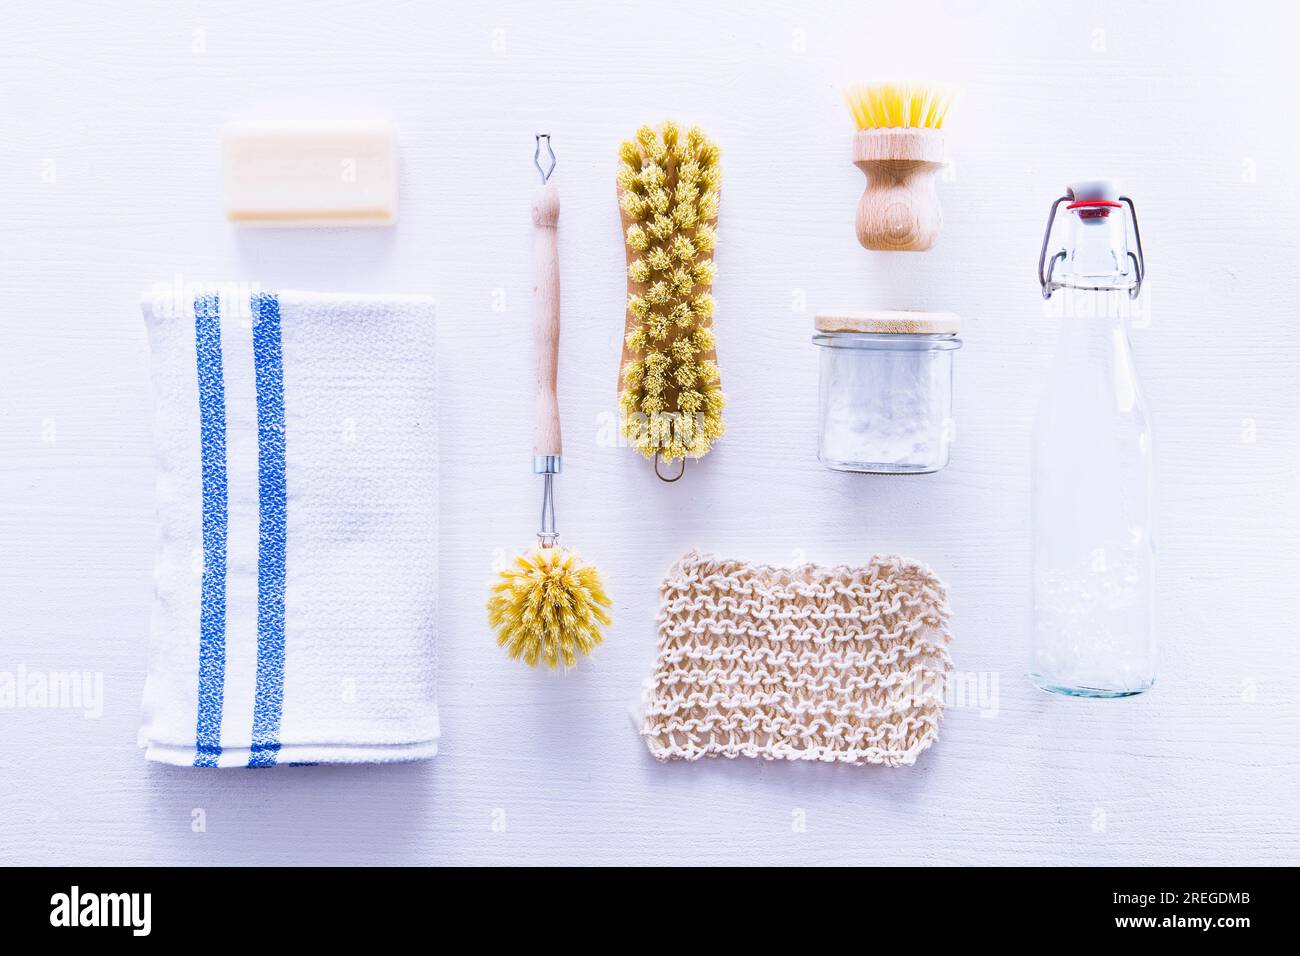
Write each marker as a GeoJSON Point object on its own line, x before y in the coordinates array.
{"type": "Point", "coordinates": [547, 605]}
{"type": "Point", "coordinates": [670, 390]}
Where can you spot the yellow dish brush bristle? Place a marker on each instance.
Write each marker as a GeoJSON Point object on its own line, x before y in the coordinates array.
{"type": "Point", "coordinates": [548, 606]}
{"type": "Point", "coordinates": [671, 393]}
{"type": "Point", "coordinates": [899, 105]}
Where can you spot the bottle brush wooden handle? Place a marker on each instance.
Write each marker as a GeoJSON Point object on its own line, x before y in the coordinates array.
{"type": "Point", "coordinates": [899, 211]}
{"type": "Point", "coordinates": [546, 318]}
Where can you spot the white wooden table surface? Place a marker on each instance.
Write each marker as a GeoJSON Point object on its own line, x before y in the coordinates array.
{"type": "Point", "coordinates": [109, 183]}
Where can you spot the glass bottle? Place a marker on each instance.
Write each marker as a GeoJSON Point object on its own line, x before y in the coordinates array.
{"type": "Point", "coordinates": [1093, 488]}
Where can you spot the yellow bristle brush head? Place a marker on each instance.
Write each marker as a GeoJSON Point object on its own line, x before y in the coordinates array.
{"type": "Point", "coordinates": [669, 185]}
{"type": "Point", "coordinates": [899, 105]}
{"type": "Point", "coordinates": [548, 606]}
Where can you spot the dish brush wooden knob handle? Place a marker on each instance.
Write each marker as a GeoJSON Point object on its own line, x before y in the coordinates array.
{"type": "Point", "coordinates": [899, 211]}
{"type": "Point", "coordinates": [546, 318]}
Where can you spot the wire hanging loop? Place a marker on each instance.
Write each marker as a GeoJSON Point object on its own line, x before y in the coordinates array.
{"type": "Point", "coordinates": [677, 477]}
{"type": "Point", "coordinates": [550, 157]}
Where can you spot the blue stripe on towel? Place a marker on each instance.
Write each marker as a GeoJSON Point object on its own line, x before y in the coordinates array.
{"type": "Point", "coordinates": [212, 600]}
{"type": "Point", "coordinates": [268, 373]}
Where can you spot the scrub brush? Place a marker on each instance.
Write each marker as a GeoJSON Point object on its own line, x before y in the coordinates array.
{"type": "Point", "coordinates": [548, 605]}
{"type": "Point", "coordinates": [899, 146]}
{"type": "Point", "coordinates": [670, 390]}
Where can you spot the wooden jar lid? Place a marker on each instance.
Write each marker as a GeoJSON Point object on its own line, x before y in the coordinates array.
{"type": "Point", "coordinates": [890, 322]}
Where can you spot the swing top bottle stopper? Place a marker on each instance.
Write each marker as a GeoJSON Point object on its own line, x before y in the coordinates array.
{"type": "Point", "coordinates": [1095, 253]}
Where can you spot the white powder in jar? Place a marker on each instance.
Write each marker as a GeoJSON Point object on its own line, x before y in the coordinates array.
{"type": "Point", "coordinates": [885, 410]}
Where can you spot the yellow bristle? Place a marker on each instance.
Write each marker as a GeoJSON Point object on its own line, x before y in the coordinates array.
{"type": "Point", "coordinates": [660, 260]}
{"type": "Point", "coordinates": [899, 105]}
{"type": "Point", "coordinates": [661, 227]}
{"type": "Point", "coordinates": [627, 178]}
{"type": "Point", "coordinates": [653, 176]}
{"type": "Point", "coordinates": [629, 155]}
{"type": "Point", "coordinates": [634, 205]}
{"type": "Point", "coordinates": [548, 606]}
{"type": "Point", "coordinates": [709, 206]}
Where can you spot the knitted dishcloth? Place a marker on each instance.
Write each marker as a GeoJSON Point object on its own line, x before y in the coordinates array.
{"type": "Point", "coordinates": [843, 664]}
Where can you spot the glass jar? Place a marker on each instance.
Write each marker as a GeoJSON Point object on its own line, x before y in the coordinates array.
{"type": "Point", "coordinates": [886, 391]}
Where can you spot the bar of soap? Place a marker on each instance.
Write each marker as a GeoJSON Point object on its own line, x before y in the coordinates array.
{"type": "Point", "coordinates": [310, 174]}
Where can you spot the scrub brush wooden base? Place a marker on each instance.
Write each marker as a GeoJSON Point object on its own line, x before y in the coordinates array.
{"type": "Point", "coordinates": [899, 211]}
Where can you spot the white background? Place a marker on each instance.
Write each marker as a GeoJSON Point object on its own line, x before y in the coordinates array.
{"type": "Point", "coordinates": [1189, 106]}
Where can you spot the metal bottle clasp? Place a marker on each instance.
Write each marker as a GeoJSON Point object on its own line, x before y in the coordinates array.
{"type": "Point", "coordinates": [1045, 267]}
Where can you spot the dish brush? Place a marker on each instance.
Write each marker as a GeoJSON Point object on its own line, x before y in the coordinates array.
{"type": "Point", "coordinates": [670, 395]}
{"type": "Point", "coordinates": [899, 146]}
{"type": "Point", "coordinates": [548, 605]}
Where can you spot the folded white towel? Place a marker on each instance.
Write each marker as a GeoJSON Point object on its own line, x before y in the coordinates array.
{"type": "Point", "coordinates": [297, 489]}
